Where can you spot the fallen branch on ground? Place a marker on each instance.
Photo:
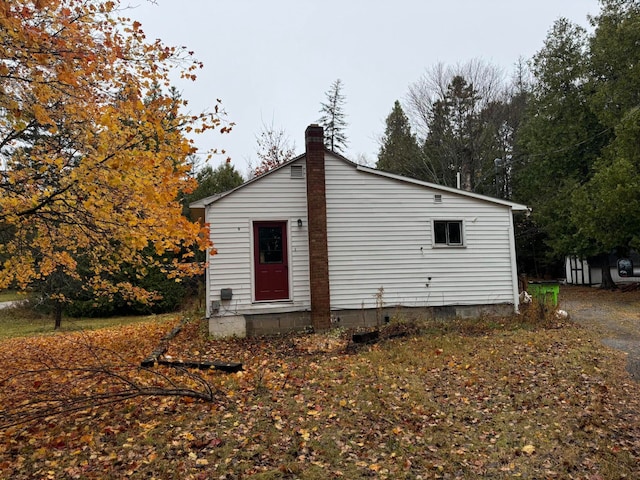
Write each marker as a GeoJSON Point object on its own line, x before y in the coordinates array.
{"type": "Point", "coordinates": [41, 385]}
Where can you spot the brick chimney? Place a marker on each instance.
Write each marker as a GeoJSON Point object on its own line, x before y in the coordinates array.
{"type": "Point", "coordinates": [317, 220]}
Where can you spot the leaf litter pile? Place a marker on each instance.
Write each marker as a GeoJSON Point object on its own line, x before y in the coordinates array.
{"type": "Point", "coordinates": [455, 399]}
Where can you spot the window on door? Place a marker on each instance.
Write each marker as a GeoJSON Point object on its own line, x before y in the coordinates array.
{"type": "Point", "coordinates": [270, 244]}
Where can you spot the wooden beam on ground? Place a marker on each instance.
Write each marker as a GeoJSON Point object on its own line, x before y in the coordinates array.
{"type": "Point", "coordinates": [229, 367]}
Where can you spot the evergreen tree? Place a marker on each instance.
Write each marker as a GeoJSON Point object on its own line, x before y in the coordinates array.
{"type": "Point", "coordinates": [221, 179]}
{"type": "Point", "coordinates": [613, 57]}
{"type": "Point", "coordinates": [454, 143]}
{"type": "Point", "coordinates": [463, 114]}
{"type": "Point", "coordinates": [560, 138]}
{"type": "Point", "coordinates": [333, 118]}
{"type": "Point", "coordinates": [504, 119]}
{"type": "Point", "coordinates": [605, 210]}
{"type": "Point", "coordinates": [399, 150]}
{"type": "Point", "coordinates": [581, 137]}
{"type": "Point", "coordinates": [461, 139]}
{"type": "Point", "coordinates": [212, 181]}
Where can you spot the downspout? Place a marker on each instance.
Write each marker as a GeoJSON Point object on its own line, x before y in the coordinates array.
{"type": "Point", "coordinates": [514, 264]}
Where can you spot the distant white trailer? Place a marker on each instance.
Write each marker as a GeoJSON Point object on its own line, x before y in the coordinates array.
{"type": "Point", "coordinates": [580, 271]}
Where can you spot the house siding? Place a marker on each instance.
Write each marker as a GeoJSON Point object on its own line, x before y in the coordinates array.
{"type": "Point", "coordinates": [380, 251]}
{"type": "Point", "coordinates": [380, 244]}
{"type": "Point", "coordinates": [274, 197]}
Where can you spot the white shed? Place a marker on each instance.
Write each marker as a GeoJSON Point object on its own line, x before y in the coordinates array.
{"type": "Point", "coordinates": [380, 244]}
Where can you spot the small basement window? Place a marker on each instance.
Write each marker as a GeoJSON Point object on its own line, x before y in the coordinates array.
{"type": "Point", "coordinates": [447, 232]}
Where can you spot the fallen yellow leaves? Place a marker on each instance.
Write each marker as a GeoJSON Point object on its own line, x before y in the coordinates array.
{"type": "Point", "coordinates": [397, 411]}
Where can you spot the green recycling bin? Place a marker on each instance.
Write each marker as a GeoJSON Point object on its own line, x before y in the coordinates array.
{"type": "Point", "coordinates": [544, 292]}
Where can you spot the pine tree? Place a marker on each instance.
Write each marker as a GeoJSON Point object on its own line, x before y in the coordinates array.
{"type": "Point", "coordinates": [460, 115]}
{"type": "Point", "coordinates": [560, 138]}
{"type": "Point", "coordinates": [212, 181]}
{"type": "Point", "coordinates": [333, 118]}
{"type": "Point", "coordinates": [399, 148]}
{"type": "Point", "coordinates": [605, 209]}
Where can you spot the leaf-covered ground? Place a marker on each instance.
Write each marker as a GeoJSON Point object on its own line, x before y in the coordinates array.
{"type": "Point", "coordinates": [453, 400]}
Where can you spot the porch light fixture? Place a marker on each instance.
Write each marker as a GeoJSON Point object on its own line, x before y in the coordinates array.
{"type": "Point", "coordinates": [299, 223]}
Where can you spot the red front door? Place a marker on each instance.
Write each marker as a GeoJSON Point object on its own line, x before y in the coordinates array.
{"type": "Point", "coordinates": [270, 259]}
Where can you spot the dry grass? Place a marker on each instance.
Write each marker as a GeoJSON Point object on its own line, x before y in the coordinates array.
{"type": "Point", "coordinates": [10, 296]}
{"type": "Point", "coordinates": [494, 398]}
{"type": "Point", "coordinates": [23, 321]}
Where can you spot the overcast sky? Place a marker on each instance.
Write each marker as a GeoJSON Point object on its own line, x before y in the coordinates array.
{"type": "Point", "coordinates": [271, 62]}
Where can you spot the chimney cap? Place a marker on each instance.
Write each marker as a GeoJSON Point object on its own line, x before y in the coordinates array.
{"type": "Point", "coordinates": [314, 134]}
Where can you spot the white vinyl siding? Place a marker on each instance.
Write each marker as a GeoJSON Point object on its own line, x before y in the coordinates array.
{"type": "Point", "coordinates": [380, 237]}
{"type": "Point", "coordinates": [276, 197]}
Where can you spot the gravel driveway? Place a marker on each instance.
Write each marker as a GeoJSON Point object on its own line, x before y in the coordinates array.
{"type": "Point", "coordinates": [614, 315]}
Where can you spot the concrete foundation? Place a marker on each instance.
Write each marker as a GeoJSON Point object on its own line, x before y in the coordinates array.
{"type": "Point", "coordinates": [231, 326]}
{"type": "Point", "coordinates": [254, 325]}
{"type": "Point", "coordinates": [276, 323]}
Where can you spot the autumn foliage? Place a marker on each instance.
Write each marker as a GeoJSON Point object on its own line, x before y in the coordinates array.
{"type": "Point", "coordinates": [93, 145]}
{"type": "Point", "coordinates": [461, 398]}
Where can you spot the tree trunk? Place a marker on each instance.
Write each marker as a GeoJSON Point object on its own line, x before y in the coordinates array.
{"type": "Point", "coordinates": [57, 313]}
{"type": "Point", "coordinates": [607, 281]}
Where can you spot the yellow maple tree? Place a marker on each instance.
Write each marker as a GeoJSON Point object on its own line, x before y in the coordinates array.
{"type": "Point", "coordinates": [93, 145]}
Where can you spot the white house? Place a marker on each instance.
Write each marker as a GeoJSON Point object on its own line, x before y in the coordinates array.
{"type": "Point", "coordinates": [321, 240]}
